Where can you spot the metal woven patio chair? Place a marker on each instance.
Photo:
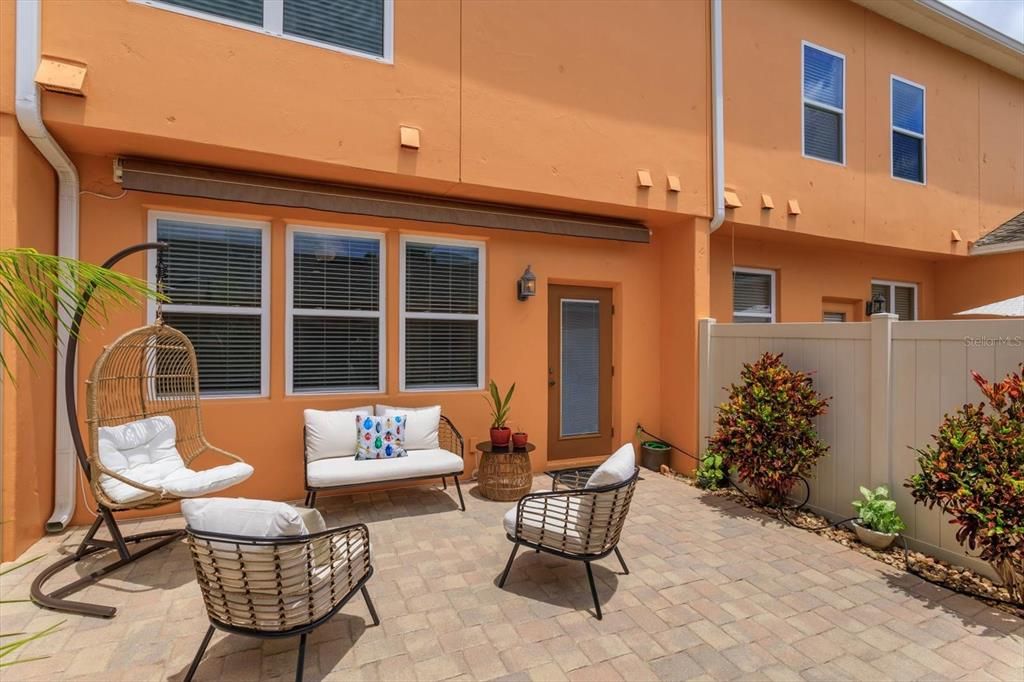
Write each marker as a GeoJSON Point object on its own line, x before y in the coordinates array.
{"type": "Point", "coordinates": [279, 587]}
{"type": "Point", "coordinates": [582, 524]}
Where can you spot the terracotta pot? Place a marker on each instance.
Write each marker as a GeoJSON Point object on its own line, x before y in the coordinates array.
{"type": "Point", "coordinates": [873, 538]}
{"type": "Point", "coordinates": [519, 439]}
{"type": "Point", "coordinates": [500, 437]}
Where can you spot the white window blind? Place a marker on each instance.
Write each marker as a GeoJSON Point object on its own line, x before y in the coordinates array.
{"type": "Point", "coordinates": [900, 298]}
{"type": "Point", "coordinates": [834, 317]}
{"type": "Point", "coordinates": [908, 143]}
{"type": "Point", "coordinates": [823, 104]}
{"type": "Point", "coordinates": [217, 285]}
{"type": "Point", "coordinates": [361, 27]}
{"type": "Point", "coordinates": [442, 314]}
{"type": "Point", "coordinates": [753, 295]}
{"type": "Point", "coordinates": [336, 305]}
{"type": "Point", "coordinates": [581, 366]}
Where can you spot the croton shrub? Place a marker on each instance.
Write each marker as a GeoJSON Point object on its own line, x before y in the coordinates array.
{"type": "Point", "coordinates": [765, 431]}
{"type": "Point", "coordinates": [974, 471]}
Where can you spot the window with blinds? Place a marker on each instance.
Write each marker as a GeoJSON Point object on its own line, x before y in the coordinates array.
{"type": "Point", "coordinates": [442, 314]}
{"type": "Point", "coordinates": [830, 316]}
{"type": "Point", "coordinates": [823, 104]}
{"type": "Point", "coordinates": [362, 27]}
{"type": "Point", "coordinates": [908, 152]}
{"type": "Point", "coordinates": [217, 285]}
{"type": "Point", "coordinates": [900, 298]}
{"type": "Point", "coordinates": [336, 311]}
{"type": "Point", "coordinates": [753, 295]}
{"type": "Point", "coordinates": [581, 367]}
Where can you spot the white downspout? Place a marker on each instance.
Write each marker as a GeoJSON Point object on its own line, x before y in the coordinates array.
{"type": "Point", "coordinates": [717, 118]}
{"type": "Point", "coordinates": [27, 108]}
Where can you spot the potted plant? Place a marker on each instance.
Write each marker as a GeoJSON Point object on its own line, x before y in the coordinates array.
{"type": "Point", "coordinates": [877, 523]}
{"type": "Point", "coordinates": [766, 429]}
{"type": "Point", "coordinates": [520, 439]}
{"type": "Point", "coordinates": [500, 433]}
{"type": "Point", "coordinates": [974, 472]}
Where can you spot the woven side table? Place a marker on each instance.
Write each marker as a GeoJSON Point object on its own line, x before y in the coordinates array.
{"type": "Point", "coordinates": [505, 473]}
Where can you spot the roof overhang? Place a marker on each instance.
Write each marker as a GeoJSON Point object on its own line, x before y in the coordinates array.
{"type": "Point", "coordinates": [944, 24]}
{"type": "Point", "coordinates": [1008, 247]}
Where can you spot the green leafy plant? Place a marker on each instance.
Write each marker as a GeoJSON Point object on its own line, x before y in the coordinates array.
{"type": "Point", "coordinates": [974, 472]}
{"type": "Point", "coordinates": [877, 512]}
{"type": "Point", "coordinates": [499, 407]}
{"type": "Point", "coordinates": [710, 474]}
{"type": "Point", "coordinates": [766, 429]}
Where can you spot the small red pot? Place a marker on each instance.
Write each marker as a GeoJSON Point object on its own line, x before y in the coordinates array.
{"type": "Point", "coordinates": [519, 439]}
{"type": "Point", "coordinates": [500, 437]}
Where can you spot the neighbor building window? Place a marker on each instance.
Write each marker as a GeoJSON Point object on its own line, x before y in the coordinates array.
{"type": "Point", "coordinates": [335, 326]}
{"type": "Point", "coordinates": [908, 150]}
{"type": "Point", "coordinates": [442, 314]}
{"type": "Point", "coordinates": [361, 27]}
{"type": "Point", "coordinates": [753, 295]}
{"type": "Point", "coordinates": [217, 282]}
{"type": "Point", "coordinates": [900, 297]}
{"type": "Point", "coordinates": [824, 125]}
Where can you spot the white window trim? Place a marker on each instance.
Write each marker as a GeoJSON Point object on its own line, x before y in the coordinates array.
{"type": "Point", "coordinates": [892, 291]}
{"type": "Point", "coordinates": [756, 271]}
{"type": "Point", "coordinates": [273, 25]}
{"type": "Point", "coordinates": [290, 311]}
{"type": "Point", "coordinates": [893, 78]}
{"type": "Point", "coordinates": [480, 316]}
{"type": "Point", "coordinates": [263, 311]}
{"type": "Point", "coordinates": [805, 101]}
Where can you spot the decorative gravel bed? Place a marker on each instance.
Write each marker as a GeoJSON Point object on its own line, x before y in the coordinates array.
{"type": "Point", "coordinates": [956, 578]}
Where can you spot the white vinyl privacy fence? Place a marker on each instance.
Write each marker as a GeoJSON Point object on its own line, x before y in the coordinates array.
{"type": "Point", "coordinates": [890, 384]}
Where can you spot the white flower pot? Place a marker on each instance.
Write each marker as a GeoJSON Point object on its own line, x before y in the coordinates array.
{"type": "Point", "coordinates": [872, 538]}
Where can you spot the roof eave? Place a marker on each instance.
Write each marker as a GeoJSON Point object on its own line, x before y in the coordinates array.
{"type": "Point", "coordinates": [989, 249]}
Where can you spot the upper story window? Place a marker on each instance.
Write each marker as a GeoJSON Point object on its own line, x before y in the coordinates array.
{"type": "Point", "coordinates": [908, 153]}
{"type": "Point", "coordinates": [217, 281]}
{"type": "Point", "coordinates": [900, 297]}
{"type": "Point", "coordinates": [753, 295]}
{"type": "Point", "coordinates": [335, 334]}
{"type": "Point", "coordinates": [360, 27]}
{"type": "Point", "coordinates": [824, 112]}
{"type": "Point", "coordinates": [442, 314]}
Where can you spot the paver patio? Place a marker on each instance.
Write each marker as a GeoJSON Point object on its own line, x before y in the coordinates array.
{"type": "Point", "coordinates": [716, 592]}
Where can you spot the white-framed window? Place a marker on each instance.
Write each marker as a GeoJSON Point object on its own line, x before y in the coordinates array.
{"type": "Point", "coordinates": [907, 115]}
{"type": "Point", "coordinates": [753, 295]}
{"type": "Point", "coordinates": [833, 316]}
{"type": "Point", "coordinates": [823, 93]}
{"type": "Point", "coordinates": [441, 314]}
{"type": "Point", "coordinates": [335, 327]}
{"type": "Point", "coordinates": [900, 297]}
{"type": "Point", "coordinates": [364, 28]}
{"type": "Point", "coordinates": [218, 282]}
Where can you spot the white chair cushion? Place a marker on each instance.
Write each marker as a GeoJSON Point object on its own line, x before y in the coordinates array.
{"type": "Point", "coordinates": [327, 473]}
{"type": "Point", "coordinates": [548, 533]}
{"type": "Point", "coordinates": [146, 451]}
{"type": "Point", "coordinates": [616, 469]}
{"type": "Point", "coordinates": [331, 433]}
{"type": "Point", "coordinates": [252, 518]}
{"type": "Point", "coordinates": [421, 425]}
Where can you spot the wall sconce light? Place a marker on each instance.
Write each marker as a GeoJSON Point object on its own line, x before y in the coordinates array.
{"type": "Point", "coordinates": [875, 305]}
{"type": "Point", "coordinates": [526, 286]}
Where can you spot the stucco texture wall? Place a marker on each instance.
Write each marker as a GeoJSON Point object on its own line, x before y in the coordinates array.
{"type": "Point", "coordinates": [976, 281]}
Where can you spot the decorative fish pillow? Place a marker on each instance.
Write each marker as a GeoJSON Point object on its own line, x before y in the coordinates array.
{"type": "Point", "coordinates": [380, 437]}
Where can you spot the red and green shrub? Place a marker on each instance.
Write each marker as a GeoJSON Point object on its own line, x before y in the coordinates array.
{"type": "Point", "coordinates": [974, 471]}
{"type": "Point", "coordinates": [766, 429]}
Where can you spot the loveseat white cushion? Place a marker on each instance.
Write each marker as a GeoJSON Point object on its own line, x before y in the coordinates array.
{"type": "Point", "coordinates": [332, 433]}
{"type": "Point", "coordinates": [616, 469]}
{"type": "Point", "coordinates": [337, 471]}
{"type": "Point", "coordinates": [145, 451]}
{"type": "Point", "coordinates": [421, 425]}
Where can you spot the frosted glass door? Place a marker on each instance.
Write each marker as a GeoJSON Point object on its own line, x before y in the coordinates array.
{"type": "Point", "coordinates": [580, 367]}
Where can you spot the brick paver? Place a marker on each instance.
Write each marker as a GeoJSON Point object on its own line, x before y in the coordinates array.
{"type": "Point", "coordinates": [715, 592]}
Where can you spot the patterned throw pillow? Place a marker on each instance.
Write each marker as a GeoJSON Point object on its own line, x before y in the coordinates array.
{"type": "Point", "coordinates": [380, 437]}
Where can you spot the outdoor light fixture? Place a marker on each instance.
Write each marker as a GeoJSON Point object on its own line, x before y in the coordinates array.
{"type": "Point", "coordinates": [526, 286]}
{"type": "Point", "coordinates": [875, 305]}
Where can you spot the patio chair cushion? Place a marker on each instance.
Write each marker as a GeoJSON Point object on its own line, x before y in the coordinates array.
{"type": "Point", "coordinates": [616, 469]}
{"type": "Point", "coordinates": [251, 518]}
{"type": "Point", "coordinates": [559, 530]}
{"type": "Point", "coordinates": [146, 451]}
{"type": "Point", "coordinates": [421, 425]}
{"type": "Point", "coordinates": [380, 437]}
{"type": "Point", "coordinates": [331, 433]}
{"type": "Point", "coordinates": [339, 471]}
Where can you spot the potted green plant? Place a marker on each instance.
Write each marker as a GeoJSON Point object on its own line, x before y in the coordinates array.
{"type": "Point", "coordinates": [500, 433]}
{"type": "Point", "coordinates": [974, 472]}
{"type": "Point", "coordinates": [765, 431]}
{"type": "Point", "coordinates": [877, 524]}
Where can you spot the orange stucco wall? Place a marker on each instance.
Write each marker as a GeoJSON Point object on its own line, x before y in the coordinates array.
{"type": "Point", "coordinates": [968, 283]}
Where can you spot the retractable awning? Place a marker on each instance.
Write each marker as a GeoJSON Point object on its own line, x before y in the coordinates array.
{"type": "Point", "coordinates": [216, 183]}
